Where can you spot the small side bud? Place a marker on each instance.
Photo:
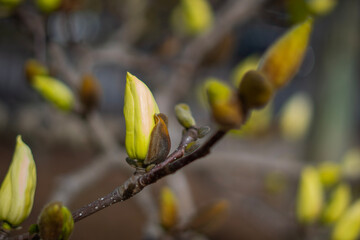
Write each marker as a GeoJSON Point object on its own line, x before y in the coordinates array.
{"type": "Point", "coordinates": [330, 173]}
{"type": "Point", "coordinates": [249, 63]}
{"type": "Point", "coordinates": [255, 90]}
{"type": "Point", "coordinates": [224, 105]}
{"type": "Point", "coordinates": [339, 201]}
{"type": "Point", "coordinates": [348, 226]}
{"type": "Point", "coordinates": [89, 92]}
{"type": "Point", "coordinates": [55, 222]}
{"type": "Point", "coordinates": [310, 196]}
{"type": "Point", "coordinates": [54, 91]}
{"type": "Point", "coordinates": [168, 209]}
{"type": "Point", "coordinates": [203, 131]}
{"type": "Point", "coordinates": [283, 59]}
{"type": "Point", "coordinates": [184, 116]}
{"type": "Point", "coordinates": [34, 68]}
{"type": "Point", "coordinates": [18, 188]}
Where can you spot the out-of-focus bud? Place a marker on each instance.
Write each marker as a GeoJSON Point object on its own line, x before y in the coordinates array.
{"type": "Point", "coordinates": [248, 64]}
{"type": "Point", "coordinates": [255, 90]}
{"type": "Point", "coordinates": [275, 183]}
{"type": "Point", "coordinates": [168, 208]}
{"type": "Point", "coordinates": [18, 188]}
{"type": "Point", "coordinates": [55, 222]}
{"type": "Point", "coordinates": [184, 116]}
{"type": "Point", "coordinates": [192, 17]}
{"type": "Point", "coordinates": [339, 201]}
{"type": "Point", "coordinates": [310, 196]}
{"type": "Point", "coordinates": [54, 91]}
{"type": "Point", "coordinates": [89, 92]}
{"type": "Point", "coordinates": [139, 111]}
{"type": "Point", "coordinates": [225, 107]}
{"type": "Point", "coordinates": [348, 226]}
{"type": "Point", "coordinates": [321, 7]}
{"type": "Point", "coordinates": [33, 68]}
{"type": "Point", "coordinates": [48, 6]}
{"type": "Point", "coordinates": [296, 116]}
{"type": "Point", "coordinates": [350, 164]}
{"type": "Point", "coordinates": [283, 59]}
{"type": "Point", "coordinates": [160, 143]}
{"type": "Point", "coordinates": [330, 173]}
{"type": "Point", "coordinates": [209, 218]}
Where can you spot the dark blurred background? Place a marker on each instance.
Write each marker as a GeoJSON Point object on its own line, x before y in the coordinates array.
{"type": "Point", "coordinates": [256, 170]}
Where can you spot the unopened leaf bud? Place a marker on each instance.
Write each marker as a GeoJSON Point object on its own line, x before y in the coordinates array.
{"type": "Point", "coordinates": [184, 116]}
{"type": "Point", "coordinates": [225, 107]}
{"type": "Point", "coordinates": [89, 92]}
{"type": "Point", "coordinates": [348, 226]}
{"type": "Point", "coordinates": [339, 201]}
{"type": "Point", "coordinates": [18, 188]}
{"type": "Point", "coordinates": [55, 222]}
{"type": "Point", "coordinates": [48, 6]}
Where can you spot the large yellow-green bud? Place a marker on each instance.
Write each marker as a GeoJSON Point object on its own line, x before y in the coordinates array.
{"type": "Point", "coordinates": [139, 110]}
{"type": "Point", "coordinates": [339, 201]}
{"type": "Point", "coordinates": [18, 188]}
{"type": "Point", "coordinates": [348, 226]}
{"type": "Point", "coordinates": [55, 222]}
{"type": "Point", "coordinates": [310, 196]}
{"type": "Point", "coordinates": [54, 91]}
{"type": "Point", "coordinates": [283, 59]}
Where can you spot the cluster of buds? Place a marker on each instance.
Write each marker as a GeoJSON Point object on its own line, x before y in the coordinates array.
{"type": "Point", "coordinates": [18, 188]}
{"type": "Point", "coordinates": [279, 64]}
{"type": "Point", "coordinates": [147, 139]}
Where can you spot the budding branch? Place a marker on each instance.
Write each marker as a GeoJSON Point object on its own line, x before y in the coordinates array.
{"type": "Point", "coordinates": [140, 180]}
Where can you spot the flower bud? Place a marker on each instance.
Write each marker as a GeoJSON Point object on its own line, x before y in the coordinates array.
{"type": "Point", "coordinates": [348, 226]}
{"type": "Point", "coordinates": [89, 92]}
{"type": "Point", "coordinates": [55, 222]}
{"type": "Point", "coordinates": [54, 91]}
{"type": "Point", "coordinates": [139, 110]}
{"type": "Point", "coordinates": [249, 63]}
{"type": "Point", "coordinates": [224, 104]}
{"type": "Point", "coordinates": [33, 68]}
{"type": "Point", "coordinates": [255, 90]}
{"type": "Point", "coordinates": [283, 59]}
{"type": "Point", "coordinates": [168, 208]}
{"type": "Point", "coordinates": [192, 16]}
{"type": "Point", "coordinates": [184, 116]}
{"type": "Point", "coordinates": [310, 196]}
{"type": "Point", "coordinates": [339, 201]}
{"type": "Point", "coordinates": [321, 7]}
{"type": "Point", "coordinates": [330, 173]}
{"type": "Point", "coordinates": [296, 116]}
{"type": "Point", "coordinates": [18, 188]}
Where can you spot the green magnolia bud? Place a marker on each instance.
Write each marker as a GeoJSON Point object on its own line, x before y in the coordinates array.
{"type": "Point", "coordinates": [249, 63]}
{"type": "Point", "coordinates": [224, 105]}
{"type": "Point", "coordinates": [310, 196]}
{"type": "Point", "coordinates": [339, 201]}
{"type": "Point", "coordinates": [330, 173]}
{"type": "Point", "coordinates": [139, 110]}
{"type": "Point", "coordinates": [348, 226]}
{"type": "Point", "coordinates": [192, 16]}
{"type": "Point", "coordinates": [168, 208]}
{"type": "Point", "coordinates": [18, 188]}
{"type": "Point", "coordinates": [321, 7]}
{"type": "Point", "coordinates": [54, 91]}
{"type": "Point", "coordinates": [255, 90]}
{"type": "Point", "coordinates": [48, 6]}
{"type": "Point", "coordinates": [282, 60]}
{"type": "Point", "coordinates": [184, 116]}
{"type": "Point", "coordinates": [55, 222]}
